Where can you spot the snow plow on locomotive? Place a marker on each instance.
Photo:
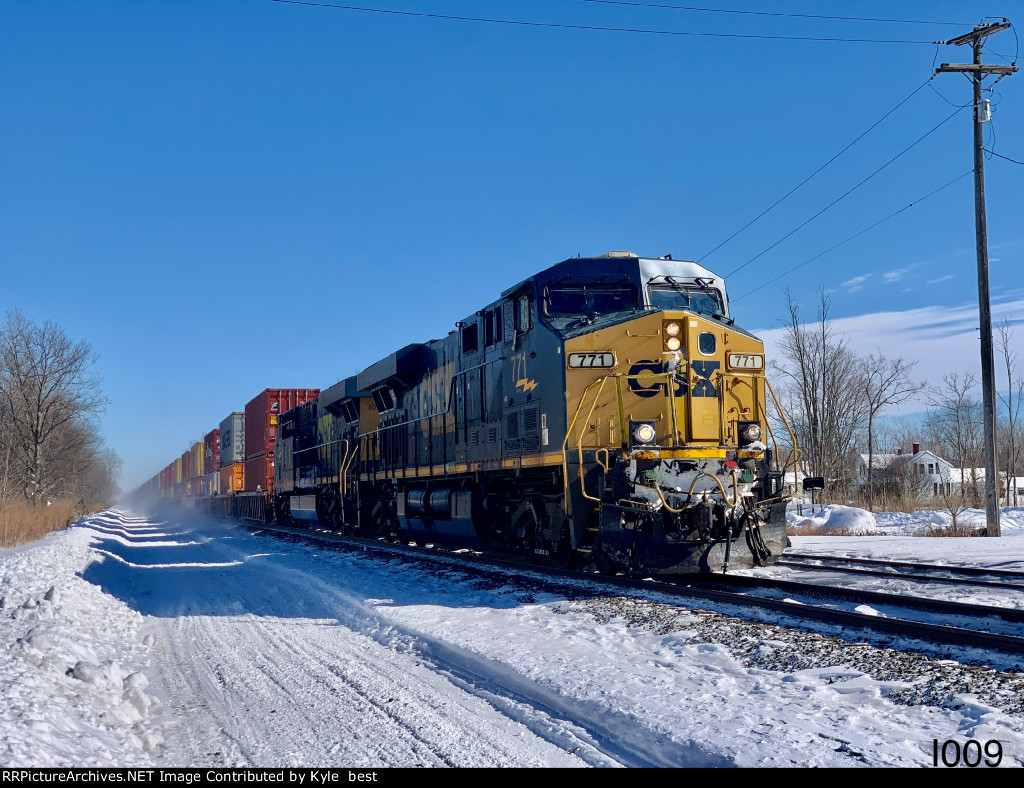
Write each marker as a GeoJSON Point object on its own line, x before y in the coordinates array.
{"type": "Point", "coordinates": [604, 413]}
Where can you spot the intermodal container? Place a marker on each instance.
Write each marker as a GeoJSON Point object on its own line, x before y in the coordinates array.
{"type": "Point", "coordinates": [178, 470]}
{"type": "Point", "coordinates": [197, 450]}
{"type": "Point", "coordinates": [211, 483]}
{"type": "Point", "coordinates": [186, 466]}
{"type": "Point", "coordinates": [232, 478]}
{"type": "Point", "coordinates": [261, 418]}
{"type": "Point", "coordinates": [259, 473]}
{"type": "Point", "coordinates": [211, 451]}
{"type": "Point", "coordinates": [232, 439]}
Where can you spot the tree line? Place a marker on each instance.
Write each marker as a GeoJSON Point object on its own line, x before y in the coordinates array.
{"type": "Point", "coordinates": [835, 401]}
{"type": "Point", "coordinates": [50, 402]}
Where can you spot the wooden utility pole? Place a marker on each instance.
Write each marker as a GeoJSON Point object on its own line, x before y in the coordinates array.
{"type": "Point", "coordinates": [977, 72]}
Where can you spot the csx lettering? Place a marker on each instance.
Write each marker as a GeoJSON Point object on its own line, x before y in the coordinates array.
{"type": "Point", "coordinates": [646, 385]}
{"type": "Point", "coordinates": [702, 386]}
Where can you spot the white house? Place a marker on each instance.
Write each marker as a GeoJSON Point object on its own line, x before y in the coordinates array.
{"type": "Point", "coordinates": [921, 471]}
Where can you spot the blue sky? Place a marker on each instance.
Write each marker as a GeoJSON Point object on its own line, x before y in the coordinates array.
{"type": "Point", "coordinates": [239, 194]}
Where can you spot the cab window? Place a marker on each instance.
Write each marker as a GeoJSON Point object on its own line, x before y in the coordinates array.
{"type": "Point", "coordinates": [581, 299]}
{"type": "Point", "coordinates": [700, 300]}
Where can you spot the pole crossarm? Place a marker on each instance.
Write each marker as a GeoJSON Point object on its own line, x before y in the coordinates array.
{"type": "Point", "coordinates": [979, 32]}
{"type": "Point", "coordinates": [980, 68]}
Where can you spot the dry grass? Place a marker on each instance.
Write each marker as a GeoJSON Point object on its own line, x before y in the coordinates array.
{"type": "Point", "coordinates": [819, 530]}
{"type": "Point", "coordinates": [21, 523]}
{"type": "Point", "coordinates": [960, 529]}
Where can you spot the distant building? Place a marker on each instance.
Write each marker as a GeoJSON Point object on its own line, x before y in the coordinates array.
{"type": "Point", "coordinates": [920, 472]}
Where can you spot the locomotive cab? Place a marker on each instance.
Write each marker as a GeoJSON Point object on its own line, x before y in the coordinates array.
{"type": "Point", "coordinates": [666, 433]}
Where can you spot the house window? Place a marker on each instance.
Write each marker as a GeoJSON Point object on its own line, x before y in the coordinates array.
{"type": "Point", "coordinates": [931, 467]}
{"type": "Point", "coordinates": [935, 488]}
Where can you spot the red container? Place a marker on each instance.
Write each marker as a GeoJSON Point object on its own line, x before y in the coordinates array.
{"type": "Point", "coordinates": [259, 473]}
{"type": "Point", "coordinates": [261, 419]}
{"type": "Point", "coordinates": [211, 451]}
{"type": "Point", "coordinates": [186, 466]}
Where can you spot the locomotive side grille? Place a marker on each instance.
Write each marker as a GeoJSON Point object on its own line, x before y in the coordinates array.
{"type": "Point", "coordinates": [512, 434]}
{"type": "Point", "coordinates": [492, 435]}
{"type": "Point", "coordinates": [530, 422]}
{"type": "Point", "coordinates": [512, 426]}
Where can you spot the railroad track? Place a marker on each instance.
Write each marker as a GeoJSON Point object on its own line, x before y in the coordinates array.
{"type": "Point", "coordinates": [907, 570]}
{"type": "Point", "coordinates": [740, 595]}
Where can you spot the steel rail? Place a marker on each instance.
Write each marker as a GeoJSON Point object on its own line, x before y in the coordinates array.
{"type": "Point", "coordinates": [698, 587]}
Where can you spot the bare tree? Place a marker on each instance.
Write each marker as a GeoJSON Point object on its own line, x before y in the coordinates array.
{"type": "Point", "coordinates": [886, 381]}
{"type": "Point", "coordinates": [49, 395]}
{"type": "Point", "coordinates": [1013, 401]}
{"type": "Point", "coordinates": [822, 388]}
{"type": "Point", "coordinates": [954, 422]}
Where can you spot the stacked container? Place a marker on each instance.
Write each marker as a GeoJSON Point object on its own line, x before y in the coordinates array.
{"type": "Point", "coordinates": [232, 453]}
{"type": "Point", "coordinates": [198, 460]}
{"type": "Point", "coordinates": [261, 429]}
{"type": "Point", "coordinates": [211, 463]}
{"type": "Point", "coordinates": [232, 478]}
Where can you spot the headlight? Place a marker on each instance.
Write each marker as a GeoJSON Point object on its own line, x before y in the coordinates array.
{"type": "Point", "coordinates": [751, 433]}
{"type": "Point", "coordinates": [672, 329]}
{"type": "Point", "coordinates": [673, 343]}
{"type": "Point", "coordinates": [643, 433]}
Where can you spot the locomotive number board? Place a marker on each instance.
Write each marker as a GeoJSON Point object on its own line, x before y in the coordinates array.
{"type": "Point", "coordinates": [746, 361]}
{"type": "Point", "coordinates": [590, 360]}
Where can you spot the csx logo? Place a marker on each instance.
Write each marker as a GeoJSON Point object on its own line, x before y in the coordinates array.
{"type": "Point", "coordinates": [646, 379]}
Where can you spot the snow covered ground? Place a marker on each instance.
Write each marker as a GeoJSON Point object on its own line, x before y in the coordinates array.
{"type": "Point", "coordinates": [134, 641]}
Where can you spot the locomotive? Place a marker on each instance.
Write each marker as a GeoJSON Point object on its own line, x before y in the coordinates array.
{"type": "Point", "coordinates": [604, 413]}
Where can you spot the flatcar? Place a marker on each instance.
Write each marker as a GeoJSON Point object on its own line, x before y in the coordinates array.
{"type": "Point", "coordinates": [605, 413]}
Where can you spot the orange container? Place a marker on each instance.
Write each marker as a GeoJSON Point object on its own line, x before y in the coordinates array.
{"type": "Point", "coordinates": [232, 478]}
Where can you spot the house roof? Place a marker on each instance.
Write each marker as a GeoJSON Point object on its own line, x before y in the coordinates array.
{"type": "Point", "coordinates": [885, 460]}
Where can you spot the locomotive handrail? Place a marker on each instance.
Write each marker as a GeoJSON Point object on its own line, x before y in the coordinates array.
{"type": "Point", "coordinates": [669, 378]}
{"type": "Point", "coordinates": [792, 437]}
{"type": "Point", "coordinates": [565, 443]}
{"type": "Point", "coordinates": [447, 408]}
{"type": "Point", "coordinates": [341, 467]}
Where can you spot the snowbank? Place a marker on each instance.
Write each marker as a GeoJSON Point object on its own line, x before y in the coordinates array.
{"type": "Point", "coordinates": [73, 693]}
{"type": "Point", "coordinates": [832, 517]}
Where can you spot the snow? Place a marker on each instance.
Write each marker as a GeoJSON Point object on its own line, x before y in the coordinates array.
{"type": "Point", "coordinates": [135, 641]}
{"type": "Point", "coordinates": [834, 518]}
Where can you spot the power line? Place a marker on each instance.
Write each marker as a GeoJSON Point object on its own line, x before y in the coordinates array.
{"type": "Point", "coordinates": [777, 13]}
{"type": "Point", "coordinates": [596, 28]}
{"type": "Point", "coordinates": [1001, 156]}
{"type": "Point", "coordinates": [850, 191]}
{"type": "Point", "coordinates": [855, 235]}
{"type": "Point", "coordinates": [823, 166]}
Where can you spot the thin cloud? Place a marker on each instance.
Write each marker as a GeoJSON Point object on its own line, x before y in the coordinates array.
{"type": "Point", "coordinates": [945, 278]}
{"type": "Point", "coordinates": [855, 284]}
{"type": "Point", "coordinates": [941, 339]}
{"type": "Point", "coordinates": [898, 273]}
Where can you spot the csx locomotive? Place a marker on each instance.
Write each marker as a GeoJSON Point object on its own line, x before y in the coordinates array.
{"type": "Point", "coordinates": [605, 413]}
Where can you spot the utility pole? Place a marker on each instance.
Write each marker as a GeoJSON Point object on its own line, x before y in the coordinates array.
{"type": "Point", "coordinates": [977, 72]}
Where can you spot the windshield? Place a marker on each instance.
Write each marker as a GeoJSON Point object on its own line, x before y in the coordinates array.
{"type": "Point", "coordinates": [702, 300]}
{"type": "Point", "coordinates": [564, 300]}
